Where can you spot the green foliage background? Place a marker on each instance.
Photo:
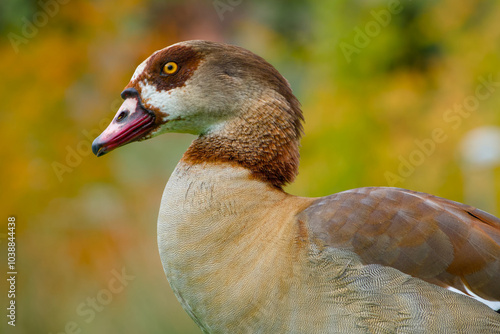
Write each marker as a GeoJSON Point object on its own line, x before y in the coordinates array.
{"type": "Point", "coordinates": [79, 217]}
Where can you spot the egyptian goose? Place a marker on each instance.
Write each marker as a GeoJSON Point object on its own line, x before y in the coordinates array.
{"type": "Point", "coordinates": [243, 256]}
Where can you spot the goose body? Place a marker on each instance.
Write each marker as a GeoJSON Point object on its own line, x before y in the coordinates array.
{"type": "Point", "coordinates": [243, 256]}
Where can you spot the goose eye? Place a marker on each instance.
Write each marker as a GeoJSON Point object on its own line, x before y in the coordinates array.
{"type": "Point", "coordinates": [170, 68]}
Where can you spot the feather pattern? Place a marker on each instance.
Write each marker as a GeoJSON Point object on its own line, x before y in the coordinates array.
{"type": "Point", "coordinates": [432, 238]}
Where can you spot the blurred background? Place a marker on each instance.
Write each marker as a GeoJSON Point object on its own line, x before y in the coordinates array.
{"type": "Point", "coordinates": [395, 93]}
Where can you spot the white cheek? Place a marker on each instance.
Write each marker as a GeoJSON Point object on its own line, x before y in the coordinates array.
{"type": "Point", "coordinates": [171, 103]}
{"type": "Point", "coordinates": [180, 110]}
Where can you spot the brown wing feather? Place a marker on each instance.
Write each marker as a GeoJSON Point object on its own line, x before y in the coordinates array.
{"type": "Point", "coordinates": [438, 240]}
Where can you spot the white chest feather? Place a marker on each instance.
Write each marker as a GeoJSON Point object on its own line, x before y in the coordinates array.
{"type": "Point", "coordinates": [212, 224]}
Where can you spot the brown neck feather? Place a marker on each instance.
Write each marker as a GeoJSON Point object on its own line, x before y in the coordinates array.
{"type": "Point", "coordinates": [264, 139]}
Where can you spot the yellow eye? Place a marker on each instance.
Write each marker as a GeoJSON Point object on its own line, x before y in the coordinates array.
{"type": "Point", "coordinates": [170, 68]}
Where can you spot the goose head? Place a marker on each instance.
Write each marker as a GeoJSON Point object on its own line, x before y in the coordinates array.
{"type": "Point", "coordinates": [238, 104]}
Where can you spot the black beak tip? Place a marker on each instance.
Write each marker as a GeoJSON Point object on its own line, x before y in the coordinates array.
{"type": "Point", "coordinates": [98, 148]}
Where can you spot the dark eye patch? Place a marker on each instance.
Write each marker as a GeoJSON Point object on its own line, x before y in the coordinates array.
{"type": "Point", "coordinates": [187, 59]}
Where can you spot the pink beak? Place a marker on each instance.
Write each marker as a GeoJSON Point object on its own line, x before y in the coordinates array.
{"type": "Point", "coordinates": [132, 122]}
